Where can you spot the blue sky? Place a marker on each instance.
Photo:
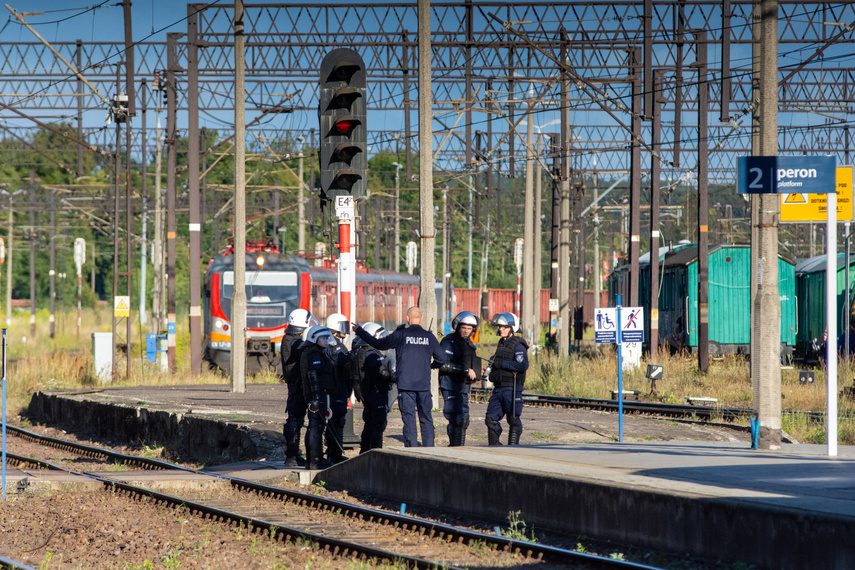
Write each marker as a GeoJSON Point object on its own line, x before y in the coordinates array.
{"type": "Point", "coordinates": [68, 20]}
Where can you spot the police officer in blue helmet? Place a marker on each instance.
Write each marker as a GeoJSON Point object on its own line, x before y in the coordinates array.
{"type": "Point", "coordinates": [456, 375]}
{"type": "Point", "coordinates": [506, 371]}
{"type": "Point", "coordinates": [317, 372]}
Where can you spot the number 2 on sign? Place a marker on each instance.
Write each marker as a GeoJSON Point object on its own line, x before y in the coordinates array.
{"type": "Point", "coordinates": [756, 184]}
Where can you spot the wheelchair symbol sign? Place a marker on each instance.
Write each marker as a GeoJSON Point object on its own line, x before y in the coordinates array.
{"type": "Point", "coordinates": [631, 325]}
{"type": "Point", "coordinates": [605, 325]}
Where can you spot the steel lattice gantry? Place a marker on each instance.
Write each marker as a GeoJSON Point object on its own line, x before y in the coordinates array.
{"type": "Point", "coordinates": [490, 59]}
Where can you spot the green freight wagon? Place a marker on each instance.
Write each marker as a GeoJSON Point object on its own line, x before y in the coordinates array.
{"type": "Point", "coordinates": [618, 282]}
{"type": "Point", "coordinates": [810, 293]}
{"type": "Point", "coordinates": [729, 279]}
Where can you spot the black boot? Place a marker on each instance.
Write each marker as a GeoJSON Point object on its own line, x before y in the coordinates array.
{"type": "Point", "coordinates": [454, 435]}
{"type": "Point", "coordinates": [513, 436]}
{"type": "Point", "coordinates": [315, 451]}
{"type": "Point", "coordinates": [454, 439]}
{"type": "Point", "coordinates": [292, 447]}
{"type": "Point", "coordinates": [492, 433]}
{"type": "Point", "coordinates": [462, 435]}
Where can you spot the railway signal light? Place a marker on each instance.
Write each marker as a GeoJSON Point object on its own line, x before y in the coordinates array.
{"type": "Point", "coordinates": [343, 129]}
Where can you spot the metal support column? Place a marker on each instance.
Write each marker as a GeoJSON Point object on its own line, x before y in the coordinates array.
{"type": "Point", "coordinates": [703, 204]}
{"type": "Point", "coordinates": [193, 199]}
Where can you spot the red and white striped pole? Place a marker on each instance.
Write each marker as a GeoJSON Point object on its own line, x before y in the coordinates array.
{"type": "Point", "coordinates": [344, 211]}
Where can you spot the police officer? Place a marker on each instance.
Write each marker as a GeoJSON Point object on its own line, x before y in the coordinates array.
{"type": "Point", "coordinates": [373, 380]}
{"type": "Point", "coordinates": [506, 371]}
{"type": "Point", "coordinates": [295, 407]}
{"type": "Point", "coordinates": [339, 392]}
{"type": "Point", "coordinates": [414, 349]}
{"type": "Point", "coordinates": [318, 374]}
{"type": "Point", "coordinates": [456, 376]}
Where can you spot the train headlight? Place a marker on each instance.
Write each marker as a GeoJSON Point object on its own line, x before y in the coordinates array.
{"type": "Point", "coordinates": [218, 323]}
{"type": "Point", "coordinates": [259, 261]}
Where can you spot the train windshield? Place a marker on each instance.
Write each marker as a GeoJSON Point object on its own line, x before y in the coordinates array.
{"type": "Point", "coordinates": [264, 286]}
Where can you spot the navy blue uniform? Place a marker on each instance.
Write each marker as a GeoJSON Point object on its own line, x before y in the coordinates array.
{"type": "Point", "coordinates": [507, 374]}
{"type": "Point", "coordinates": [295, 406]}
{"type": "Point", "coordinates": [318, 374]}
{"type": "Point", "coordinates": [337, 394]}
{"type": "Point", "coordinates": [374, 382]}
{"type": "Point", "coordinates": [414, 349]}
{"type": "Point", "coordinates": [456, 384]}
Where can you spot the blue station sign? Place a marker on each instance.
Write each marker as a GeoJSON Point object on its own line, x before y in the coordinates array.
{"type": "Point", "coordinates": [787, 174]}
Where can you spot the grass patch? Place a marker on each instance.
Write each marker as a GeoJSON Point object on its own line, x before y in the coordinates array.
{"type": "Point", "coordinates": [65, 362]}
{"type": "Point", "coordinates": [593, 373]}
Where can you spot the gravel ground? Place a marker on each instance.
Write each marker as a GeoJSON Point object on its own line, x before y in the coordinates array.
{"type": "Point", "coordinates": [79, 530]}
{"type": "Point", "coordinates": [98, 530]}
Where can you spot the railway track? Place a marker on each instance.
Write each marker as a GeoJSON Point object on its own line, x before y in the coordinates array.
{"type": "Point", "coordinates": [341, 528]}
{"type": "Point", "coordinates": [702, 413]}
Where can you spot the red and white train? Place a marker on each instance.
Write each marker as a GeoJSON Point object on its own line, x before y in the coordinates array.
{"type": "Point", "coordinates": [278, 283]}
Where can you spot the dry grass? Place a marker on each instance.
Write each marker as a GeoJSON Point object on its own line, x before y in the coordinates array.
{"type": "Point", "coordinates": [65, 362]}
{"type": "Point", "coordinates": [594, 373]}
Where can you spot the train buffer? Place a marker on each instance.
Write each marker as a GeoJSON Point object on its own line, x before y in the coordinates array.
{"type": "Point", "coordinates": [627, 395]}
{"type": "Point", "coordinates": [697, 401]}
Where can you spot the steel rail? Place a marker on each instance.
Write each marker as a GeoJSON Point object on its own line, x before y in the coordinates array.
{"type": "Point", "coordinates": [434, 530]}
{"type": "Point", "coordinates": [335, 546]}
{"type": "Point", "coordinates": [651, 408]}
{"type": "Point", "coordinates": [13, 564]}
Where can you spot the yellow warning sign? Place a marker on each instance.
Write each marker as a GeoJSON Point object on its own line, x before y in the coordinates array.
{"type": "Point", "coordinates": [812, 207]}
{"type": "Point", "coordinates": [122, 306]}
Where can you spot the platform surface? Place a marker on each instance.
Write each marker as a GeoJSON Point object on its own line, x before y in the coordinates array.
{"type": "Point", "coordinates": [796, 476]}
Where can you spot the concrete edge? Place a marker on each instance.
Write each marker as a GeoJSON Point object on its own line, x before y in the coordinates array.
{"type": "Point", "coordinates": [184, 437]}
{"type": "Point", "coordinates": [716, 528]}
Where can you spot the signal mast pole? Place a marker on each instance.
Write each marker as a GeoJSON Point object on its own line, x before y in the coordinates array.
{"type": "Point", "coordinates": [343, 130]}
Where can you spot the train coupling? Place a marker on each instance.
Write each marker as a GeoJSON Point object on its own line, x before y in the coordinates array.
{"type": "Point", "coordinates": [258, 345]}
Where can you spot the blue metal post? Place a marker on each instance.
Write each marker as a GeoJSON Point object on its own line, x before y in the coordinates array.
{"type": "Point", "coordinates": [4, 414]}
{"type": "Point", "coordinates": [619, 374]}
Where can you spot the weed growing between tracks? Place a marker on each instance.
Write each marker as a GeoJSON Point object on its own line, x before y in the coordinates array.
{"type": "Point", "coordinates": [593, 373]}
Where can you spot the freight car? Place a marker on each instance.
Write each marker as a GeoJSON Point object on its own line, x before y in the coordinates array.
{"type": "Point", "coordinates": [729, 282]}
{"type": "Point", "coordinates": [810, 299]}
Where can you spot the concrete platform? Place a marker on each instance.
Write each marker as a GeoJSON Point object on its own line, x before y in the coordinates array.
{"type": "Point", "coordinates": [208, 424]}
{"type": "Point", "coordinates": [793, 508]}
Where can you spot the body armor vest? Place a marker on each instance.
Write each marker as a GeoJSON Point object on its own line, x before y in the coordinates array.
{"type": "Point", "coordinates": [316, 380]}
{"type": "Point", "coordinates": [500, 377]}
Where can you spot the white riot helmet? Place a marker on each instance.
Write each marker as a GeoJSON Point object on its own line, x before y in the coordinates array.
{"type": "Point", "coordinates": [337, 322]}
{"type": "Point", "coordinates": [301, 319]}
{"type": "Point", "coordinates": [315, 333]}
{"type": "Point", "coordinates": [506, 320]}
{"type": "Point", "coordinates": [465, 318]}
{"type": "Point", "coordinates": [374, 330]}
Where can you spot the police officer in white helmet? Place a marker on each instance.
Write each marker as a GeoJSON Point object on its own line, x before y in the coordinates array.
{"type": "Point", "coordinates": [339, 394]}
{"type": "Point", "coordinates": [295, 407]}
{"type": "Point", "coordinates": [506, 371]}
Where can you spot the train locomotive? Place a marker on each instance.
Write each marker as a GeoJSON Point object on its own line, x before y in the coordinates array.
{"type": "Point", "coordinates": [276, 284]}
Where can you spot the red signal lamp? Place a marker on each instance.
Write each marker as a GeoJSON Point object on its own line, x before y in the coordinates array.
{"type": "Point", "coordinates": [346, 126]}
